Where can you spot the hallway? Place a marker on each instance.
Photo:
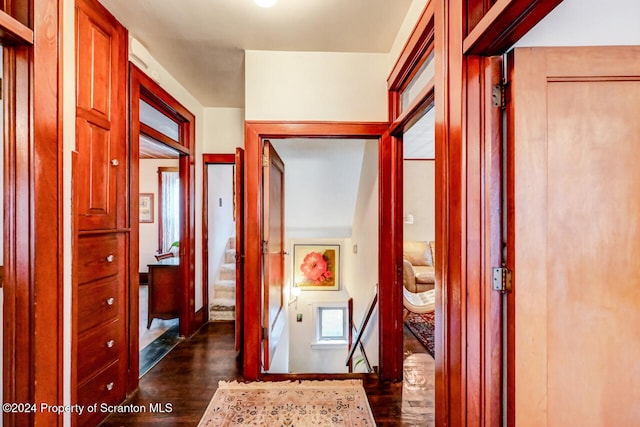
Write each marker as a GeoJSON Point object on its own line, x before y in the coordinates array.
{"type": "Point", "coordinates": [185, 380]}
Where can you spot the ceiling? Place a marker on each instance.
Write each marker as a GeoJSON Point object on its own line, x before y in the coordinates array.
{"type": "Point", "coordinates": [202, 42]}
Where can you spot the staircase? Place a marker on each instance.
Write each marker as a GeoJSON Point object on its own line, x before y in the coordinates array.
{"type": "Point", "coordinates": [223, 305]}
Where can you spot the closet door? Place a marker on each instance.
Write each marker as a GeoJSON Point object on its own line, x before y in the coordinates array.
{"type": "Point", "coordinates": [100, 118]}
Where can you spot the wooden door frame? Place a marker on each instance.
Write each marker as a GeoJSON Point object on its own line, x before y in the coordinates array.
{"type": "Point", "coordinates": [33, 255]}
{"type": "Point", "coordinates": [255, 132]}
{"type": "Point", "coordinates": [468, 132]}
{"type": "Point", "coordinates": [143, 87]}
{"type": "Point", "coordinates": [209, 159]}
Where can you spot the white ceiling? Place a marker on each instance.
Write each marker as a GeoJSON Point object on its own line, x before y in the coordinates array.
{"type": "Point", "coordinates": [202, 42]}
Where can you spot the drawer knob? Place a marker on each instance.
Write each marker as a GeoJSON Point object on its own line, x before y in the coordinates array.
{"type": "Point", "coordinates": [110, 343]}
{"type": "Point", "coordinates": [115, 162]}
{"type": "Point", "coordinates": [110, 301]}
{"type": "Point", "coordinates": [110, 386]}
{"type": "Point", "coordinates": [110, 258]}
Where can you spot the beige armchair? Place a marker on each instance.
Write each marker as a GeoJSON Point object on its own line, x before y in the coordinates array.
{"type": "Point", "coordinates": [418, 265]}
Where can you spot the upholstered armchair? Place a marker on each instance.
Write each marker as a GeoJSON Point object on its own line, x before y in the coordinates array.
{"type": "Point", "coordinates": [418, 265]}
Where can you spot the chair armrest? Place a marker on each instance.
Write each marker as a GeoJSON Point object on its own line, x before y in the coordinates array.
{"type": "Point", "coordinates": [408, 276]}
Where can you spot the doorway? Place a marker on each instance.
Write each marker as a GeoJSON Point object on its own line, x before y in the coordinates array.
{"type": "Point", "coordinates": [162, 132]}
{"type": "Point", "coordinates": [331, 212]}
{"type": "Point", "coordinates": [159, 244]}
{"type": "Point", "coordinates": [256, 134]}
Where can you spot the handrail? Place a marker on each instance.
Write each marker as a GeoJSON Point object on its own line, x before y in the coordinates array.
{"type": "Point", "coordinates": [360, 332]}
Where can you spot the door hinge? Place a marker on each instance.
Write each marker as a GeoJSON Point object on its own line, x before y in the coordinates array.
{"type": "Point", "coordinates": [502, 279]}
{"type": "Point", "coordinates": [265, 333]}
{"type": "Point", "coordinates": [499, 95]}
{"type": "Point", "coordinates": [265, 160]}
{"type": "Point", "coordinates": [265, 246]}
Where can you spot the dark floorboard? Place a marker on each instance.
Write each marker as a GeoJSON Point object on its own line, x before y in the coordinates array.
{"type": "Point", "coordinates": [184, 382]}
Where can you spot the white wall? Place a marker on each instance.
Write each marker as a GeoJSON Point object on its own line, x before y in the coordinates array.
{"type": "Point", "coordinates": [223, 130]}
{"type": "Point", "coordinates": [221, 225]}
{"type": "Point", "coordinates": [302, 357]}
{"type": "Point", "coordinates": [587, 23]}
{"type": "Point", "coordinates": [362, 276]}
{"type": "Point", "coordinates": [315, 86]}
{"type": "Point", "coordinates": [149, 231]}
{"type": "Point", "coordinates": [419, 199]}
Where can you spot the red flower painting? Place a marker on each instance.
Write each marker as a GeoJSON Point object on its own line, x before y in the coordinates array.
{"type": "Point", "coordinates": [316, 266]}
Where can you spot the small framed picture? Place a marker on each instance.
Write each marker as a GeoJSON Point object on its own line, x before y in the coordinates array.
{"type": "Point", "coordinates": [316, 267]}
{"type": "Point", "coordinates": [146, 207]}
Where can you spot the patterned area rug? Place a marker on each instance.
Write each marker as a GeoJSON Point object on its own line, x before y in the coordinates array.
{"type": "Point", "coordinates": [423, 326]}
{"type": "Point", "coordinates": [289, 403]}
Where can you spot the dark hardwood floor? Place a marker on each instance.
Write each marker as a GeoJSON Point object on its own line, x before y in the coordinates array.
{"type": "Point", "coordinates": [183, 383]}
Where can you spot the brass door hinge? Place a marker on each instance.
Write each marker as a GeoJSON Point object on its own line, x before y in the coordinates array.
{"type": "Point", "coordinates": [502, 279]}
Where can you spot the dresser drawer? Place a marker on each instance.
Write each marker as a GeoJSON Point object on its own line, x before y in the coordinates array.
{"type": "Point", "coordinates": [98, 302]}
{"type": "Point", "coordinates": [106, 387]}
{"type": "Point", "coordinates": [99, 256]}
{"type": "Point", "coordinates": [99, 347]}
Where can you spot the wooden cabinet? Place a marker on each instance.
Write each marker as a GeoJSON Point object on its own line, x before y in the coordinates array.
{"type": "Point", "coordinates": [101, 237]}
{"type": "Point", "coordinates": [100, 323]}
{"type": "Point", "coordinates": [164, 289]}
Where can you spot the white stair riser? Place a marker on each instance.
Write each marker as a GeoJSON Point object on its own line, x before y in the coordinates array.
{"type": "Point", "coordinates": [228, 272]}
{"type": "Point", "coordinates": [230, 256]}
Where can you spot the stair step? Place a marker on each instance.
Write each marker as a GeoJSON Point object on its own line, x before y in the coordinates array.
{"type": "Point", "coordinates": [224, 285]}
{"type": "Point", "coordinates": [228, 271]}
{"type": "Point", "coordinates": [224, 289]}
{"type": "Point", "coordinates": [222, 304]}
{"type": "Point", "coordinates": [232, 243]}
{"type": "Point", "coordinates": [230, 256]}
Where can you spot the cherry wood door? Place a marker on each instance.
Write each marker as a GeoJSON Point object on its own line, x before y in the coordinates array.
{"type": "Point", "coordinates": [272, 252]}
{"type": "Point", "coordinates": [574, 237]}
{"type": "Point", "coordinates": [239, 207]}
{"type": "Point", "coordinates": [100, 118]}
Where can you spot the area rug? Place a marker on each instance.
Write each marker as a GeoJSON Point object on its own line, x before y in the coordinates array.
{"type": "Point", "coordinates": [423, 326]}
{"type": "Point", "coordinates": [289, 403]}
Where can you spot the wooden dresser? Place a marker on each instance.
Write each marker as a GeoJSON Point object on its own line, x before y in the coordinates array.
{"type": "Point", "coordinates": [100, 205]}
{"type": "Point", "coordinates": [164, 289]}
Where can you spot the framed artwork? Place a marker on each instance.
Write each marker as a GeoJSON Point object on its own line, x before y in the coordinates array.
{"type": "Point", "coordinates": [146, 207]}
{"type": "Point", "coordinates": [316, 267]}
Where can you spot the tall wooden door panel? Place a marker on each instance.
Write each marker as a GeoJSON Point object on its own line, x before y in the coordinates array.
{"type": "Point", "coordinates": [575, 222]}
{"type": "Point", "coordinates": [273, 252]}
{"type": "Point", "coordinates": [101, 120]}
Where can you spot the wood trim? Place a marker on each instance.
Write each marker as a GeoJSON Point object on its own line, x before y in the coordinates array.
{"type": "Point", "coordinates": [134, 235]}
{"type": "Point", "coordinates": [32, 360]}
{"type": "Point", "coordinates": [414, 50]}
{"type": "Point", "coordinates": [390, 260]}
{"type": "Point", "coordinates": [160, 170]}
{"type": "Point", "coordinates": [208, 159]}
{"type": "Point", "coordinates": [483, 243]}
{"type": "Point", "coordinates": [450, 173]}
{"type": "Point", "coordinates": [415, 111]}
{"type": "Point", "coordinates": [159, 136]}
{"type": "Point", "coordinates": [255, 132]}
{"type": "Point", "coordinates": [504, 24]}
{"type": "Point", "coordinates": [13, 31]}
